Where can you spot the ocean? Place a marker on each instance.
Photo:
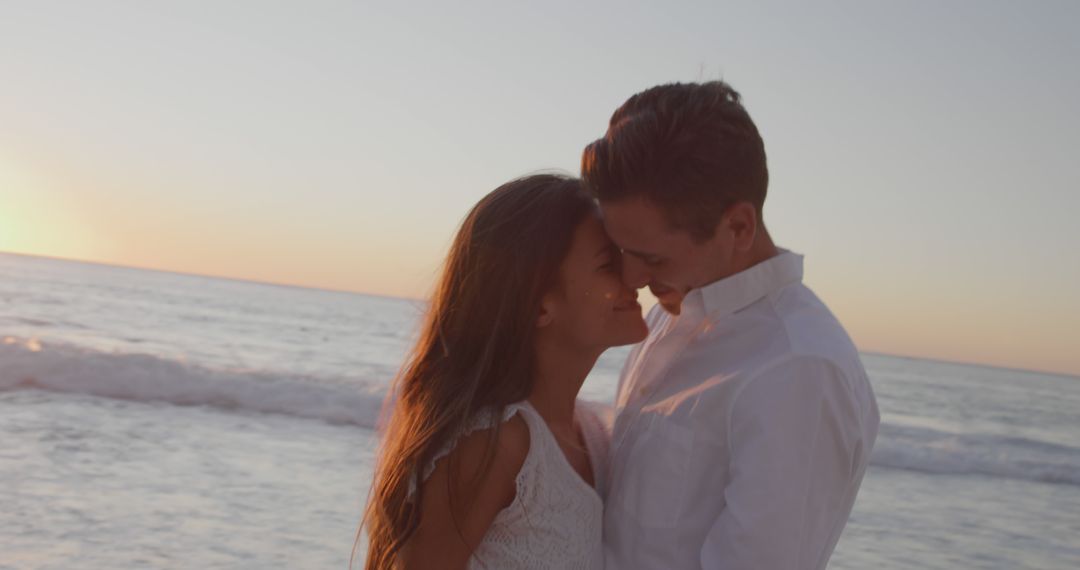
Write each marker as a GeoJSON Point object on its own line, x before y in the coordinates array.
{"type": "Point", "coordinates": [161, 420]}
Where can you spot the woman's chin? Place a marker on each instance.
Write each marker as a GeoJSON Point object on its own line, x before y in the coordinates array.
{"type": "Point", "coordinates": [631, 332]}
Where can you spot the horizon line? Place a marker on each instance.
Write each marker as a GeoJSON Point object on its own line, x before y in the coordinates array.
{"type": "Point", "coordinates": [413, 299]}
{"type": "Point", "coordinates": [208, 276]}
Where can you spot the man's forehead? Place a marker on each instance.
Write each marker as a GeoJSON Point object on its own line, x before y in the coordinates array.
{"type": "Point", "coordinates": [634, 223]}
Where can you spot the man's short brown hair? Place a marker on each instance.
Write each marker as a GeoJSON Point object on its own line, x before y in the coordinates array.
{"type": "Point", "coordinates": [689, 148]}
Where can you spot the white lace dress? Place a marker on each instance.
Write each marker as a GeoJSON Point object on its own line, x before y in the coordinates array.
{"type": "Point", "coordinates": [554, 521]}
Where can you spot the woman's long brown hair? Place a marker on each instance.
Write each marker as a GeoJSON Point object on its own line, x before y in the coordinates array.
{"type": "Point", "coordinates": [475, 349]}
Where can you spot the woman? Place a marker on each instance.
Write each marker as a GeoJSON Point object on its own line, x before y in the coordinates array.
{"type": "Point", "coordinates": [487, 462]}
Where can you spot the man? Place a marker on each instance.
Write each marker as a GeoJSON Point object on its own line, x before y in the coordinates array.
{"type": "Point", "coordinates": [745, 420]}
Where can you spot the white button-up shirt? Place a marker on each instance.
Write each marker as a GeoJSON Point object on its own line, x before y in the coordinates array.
{"type": "Point", "coordinates": [743, 428]}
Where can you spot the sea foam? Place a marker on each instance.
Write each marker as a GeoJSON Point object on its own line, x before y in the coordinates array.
{"type": "Point", "coordinates": [57, 367]}
{"type": "Point", "coordinates": [35, 364]}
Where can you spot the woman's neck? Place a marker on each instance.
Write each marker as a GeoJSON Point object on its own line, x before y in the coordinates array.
{"type": "Point", "coordinates": [559, 373]}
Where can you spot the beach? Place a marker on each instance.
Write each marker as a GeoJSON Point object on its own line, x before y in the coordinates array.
{"type": "Point", "coordinates": [162, 420]}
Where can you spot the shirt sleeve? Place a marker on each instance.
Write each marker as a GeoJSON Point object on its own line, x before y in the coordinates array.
{"type": "Point", "coordinates": [792, 438]}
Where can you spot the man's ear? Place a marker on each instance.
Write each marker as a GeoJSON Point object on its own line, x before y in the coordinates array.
{"type": "Point", "coordinates": [547, 312]}
{"type": "Point", "coordinates": [741, 221]}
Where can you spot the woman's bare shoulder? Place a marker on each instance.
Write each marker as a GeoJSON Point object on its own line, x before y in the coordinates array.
{"type": "Point", "coordinates": [457, 511]}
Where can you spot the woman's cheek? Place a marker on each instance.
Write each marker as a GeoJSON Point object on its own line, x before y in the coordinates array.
{"type": "Point", "coordinates": [605, 292]}
{"type": "Point", "coordinates": [598, 297]}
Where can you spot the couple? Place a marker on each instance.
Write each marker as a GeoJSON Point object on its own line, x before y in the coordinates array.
{"type": "Point", "coordinates": [743, 420]}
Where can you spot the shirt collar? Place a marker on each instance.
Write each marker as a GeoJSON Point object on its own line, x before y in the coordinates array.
{"type": "Point", "coordinates": [738, 291]}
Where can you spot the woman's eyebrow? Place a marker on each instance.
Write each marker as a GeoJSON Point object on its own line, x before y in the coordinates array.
{"type": "Point", "coordinates": [607, 249]}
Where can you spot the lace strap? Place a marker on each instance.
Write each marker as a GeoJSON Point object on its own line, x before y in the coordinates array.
{"type": "Point", "coordinates": [485, 419]}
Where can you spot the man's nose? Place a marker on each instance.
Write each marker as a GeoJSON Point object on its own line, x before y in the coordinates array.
{"type": "Point", "coordinates": [634, 273]}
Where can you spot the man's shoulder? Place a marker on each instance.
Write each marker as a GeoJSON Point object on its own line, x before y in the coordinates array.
{"type": "Point", "coordinates": [815, 349]}
{"type": "Point", "coordinates": [811, 330]}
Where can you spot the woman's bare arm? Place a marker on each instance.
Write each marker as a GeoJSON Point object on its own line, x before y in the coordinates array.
{"type": "Point", "coordinates": [438, 541]}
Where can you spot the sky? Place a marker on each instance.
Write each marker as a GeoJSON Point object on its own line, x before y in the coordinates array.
{"type": "Point", "coordinates": [924, 156]}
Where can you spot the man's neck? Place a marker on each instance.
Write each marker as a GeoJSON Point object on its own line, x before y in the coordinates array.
{"type": "Point", "coordinates": [762, 250]}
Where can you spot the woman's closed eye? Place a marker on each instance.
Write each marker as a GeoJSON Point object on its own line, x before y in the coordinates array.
{"type": "Point", "coordinates": [612, 260]}
{"type": "Point", "coordinates": [612, 263]}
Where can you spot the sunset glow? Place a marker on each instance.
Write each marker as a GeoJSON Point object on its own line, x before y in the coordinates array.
{"type": "Point", "coordinates": [36, 219]}
{"type": "Point", "coordinates": [934, 205]}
